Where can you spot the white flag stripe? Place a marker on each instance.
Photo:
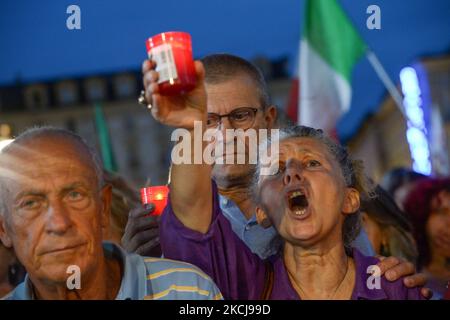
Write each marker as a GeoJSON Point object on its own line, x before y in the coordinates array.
{"type": "Point", "coordinates": [324, 94]}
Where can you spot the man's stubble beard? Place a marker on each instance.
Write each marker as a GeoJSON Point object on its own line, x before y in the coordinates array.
{"type": "Point", "coordinates": [233, 176]}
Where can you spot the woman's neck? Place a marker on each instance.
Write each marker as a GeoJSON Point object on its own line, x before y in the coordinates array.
{"type": "Point", "coordinates": [320, 273]}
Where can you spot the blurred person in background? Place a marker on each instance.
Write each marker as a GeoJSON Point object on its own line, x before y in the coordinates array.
{"type": "Point", "coordinates": [11, 271]}
{"type": "Point", "coordinates": [398, 182]}
{"type": "Point", "coordinates": [125, 202]}
{"type": "Point", "coordinates": [387, 227]}
{"type": "Point", "coordinates": [447, 293]}
{"type": "Point", "coordinates": [124, 197]}
{"type": "Point", "coordinates": [428, 205]}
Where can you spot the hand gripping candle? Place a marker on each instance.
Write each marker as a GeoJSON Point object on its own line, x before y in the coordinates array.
{"type": "Point", "coordinates": [157, 195]}
{"type": "Point", "coordinates": [172, 52]}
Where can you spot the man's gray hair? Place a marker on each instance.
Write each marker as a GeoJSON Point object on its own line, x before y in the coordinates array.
{"type": "Point", "coordinates": [221, 67]}
{"type": "Point", "coordinates": [45, 132]}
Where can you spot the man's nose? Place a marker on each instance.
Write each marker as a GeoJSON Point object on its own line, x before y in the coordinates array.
{"type": "Point", "coordinates": [57, 219]}
{"type": "Point", "coordinates": [293, 172]}
{"type": "Point", "coordinates": [224, 124]}
{"type": "Point", "coordinates": [223, 137]}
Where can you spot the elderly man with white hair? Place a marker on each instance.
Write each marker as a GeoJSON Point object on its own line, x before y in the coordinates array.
{"type": "Point", "coordinates": [54, 210]}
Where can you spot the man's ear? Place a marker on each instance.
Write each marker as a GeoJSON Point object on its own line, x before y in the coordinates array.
{"type": "Point", "coordinates": [4, 237]}
{"type": "Point", "coordinates": [262, 218]}
{"type": "Point", "coordinates": [106, 200]}
{"type": "Point", "coordinates": [270, 116]}
{"type": "Point", "coordinates": [351, 202]}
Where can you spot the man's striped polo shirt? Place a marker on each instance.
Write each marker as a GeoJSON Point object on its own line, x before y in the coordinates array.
{"type": "Point", "coordinates": [148, 278]}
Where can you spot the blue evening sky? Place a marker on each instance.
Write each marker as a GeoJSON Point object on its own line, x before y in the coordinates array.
{"type": "Point", "coordinates": [35, 44]}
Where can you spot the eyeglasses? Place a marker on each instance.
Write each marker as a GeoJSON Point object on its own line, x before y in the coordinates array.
{"type": "Point", "coordinates": [240, 118]}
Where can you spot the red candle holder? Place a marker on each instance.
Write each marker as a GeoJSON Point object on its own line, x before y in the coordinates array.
{"type": "Point", "coordinates": [172, 52]}
{"type": "Point", "coordinates": [157, 195]}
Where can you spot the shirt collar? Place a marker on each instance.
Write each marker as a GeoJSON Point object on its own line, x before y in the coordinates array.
{"type": "Point", "coordinates": [282, 287]}
{"type": "Point", "coordinates": [134, 276]}
{"type": "Point", "coordinates": [24, 291]}
{"type": "Point", "coordinates": [134, 273]}
{"type": "Point", "coordinates": [230, 209]}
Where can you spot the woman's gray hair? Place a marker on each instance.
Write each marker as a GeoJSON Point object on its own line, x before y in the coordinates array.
{"type": "Point", "coordinates": [352, 172]}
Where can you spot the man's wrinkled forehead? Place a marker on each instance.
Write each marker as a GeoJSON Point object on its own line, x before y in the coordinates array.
{"type": "Point", "coordinates": [31, 162]}
{"type": "Point", "coordinates": [238, 91]}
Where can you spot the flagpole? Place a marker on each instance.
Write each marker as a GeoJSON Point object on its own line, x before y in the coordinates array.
{"type": "Point", "coordinates": [384, 77]}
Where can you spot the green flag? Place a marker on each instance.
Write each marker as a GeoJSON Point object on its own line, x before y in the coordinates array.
{"type": "Point", "coordinates": [109, 161]}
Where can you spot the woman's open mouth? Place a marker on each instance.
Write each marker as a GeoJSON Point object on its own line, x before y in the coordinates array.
{"type": "Point", "coordinates": [298, 203]}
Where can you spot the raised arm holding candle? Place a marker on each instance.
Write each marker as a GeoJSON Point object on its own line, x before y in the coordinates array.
{"type": "Point", "coordinates": [190, 184]}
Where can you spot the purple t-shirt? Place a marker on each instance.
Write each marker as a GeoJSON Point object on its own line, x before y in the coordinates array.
{"type": "Point", "coordinates": [240, 274]}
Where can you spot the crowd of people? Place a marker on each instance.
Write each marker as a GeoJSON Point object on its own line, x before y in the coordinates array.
{"type": "Point", "coordinates": [311, 229]}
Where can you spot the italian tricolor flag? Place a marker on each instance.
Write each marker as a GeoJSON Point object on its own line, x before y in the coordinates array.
{"type": "Point", "coordinates": [329, 49]}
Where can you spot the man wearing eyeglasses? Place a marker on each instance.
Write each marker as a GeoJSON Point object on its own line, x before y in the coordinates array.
{"type": "Point", "coordinates": [237, 98]}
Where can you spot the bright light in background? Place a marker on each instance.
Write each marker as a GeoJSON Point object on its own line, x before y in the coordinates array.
{"type": "Point", "coordinates": [416, 133]}
{"type": "Point", "coordinates": [4, 143]}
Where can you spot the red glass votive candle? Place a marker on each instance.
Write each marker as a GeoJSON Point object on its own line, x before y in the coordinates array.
{"type": "Point", "coordinates": [156, 195]}
{"type": "Point", "coordinates": [172, 52]}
